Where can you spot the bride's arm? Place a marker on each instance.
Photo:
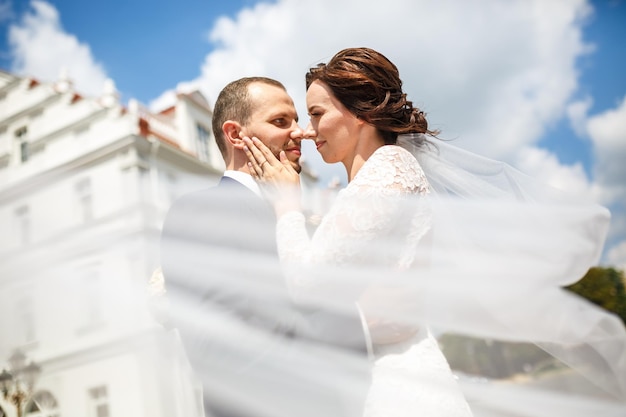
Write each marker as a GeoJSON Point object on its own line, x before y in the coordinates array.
{"type": "Point", "coordinates": [371, 232]}
{"type": "Point", "coordinates": [378, 223]}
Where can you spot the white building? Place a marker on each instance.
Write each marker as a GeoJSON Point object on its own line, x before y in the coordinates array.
{"type": "Point", "coordinates": [84, 186]}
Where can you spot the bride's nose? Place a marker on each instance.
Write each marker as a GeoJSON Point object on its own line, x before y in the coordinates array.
{"type": "Point", "coordinates": [309, 132]}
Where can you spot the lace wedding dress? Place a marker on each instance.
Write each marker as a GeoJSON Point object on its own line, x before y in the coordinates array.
{"type": "Point", "coordinates": [368, 229]}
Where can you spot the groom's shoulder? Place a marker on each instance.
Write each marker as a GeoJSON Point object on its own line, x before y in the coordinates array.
{"type": "Point", "coordinates": [208, 205]}
{"type": "Point", "coordinates": [221, 193]}
{"type": "Point", "coordinates": [189, 208]}
{"type": "Point", "coordinates": [190, 201]}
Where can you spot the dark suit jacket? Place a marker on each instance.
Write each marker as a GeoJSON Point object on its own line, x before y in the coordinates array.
{"type": "Point", "coordinates": [256, 352]}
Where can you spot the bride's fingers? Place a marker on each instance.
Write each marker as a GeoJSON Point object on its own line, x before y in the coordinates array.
{"type": "Point", "coordinates": [256, 170]}
{"type": "Point", "coordinates": [266, 153]}
{"type": "Point", "coordinates": [285, 161]}
{"type": "Point", "coordinates": [254, 154]}
{"type": "Point", "coordinates": [253, 171]}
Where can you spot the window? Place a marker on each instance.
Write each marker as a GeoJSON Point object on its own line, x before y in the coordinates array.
{"type": "Point", "coordinates": [98, 402]}
{"type": "Point", "coordinates": [84, 200]}
{"type": "Point", "coordinates": [5, 150]}
{"type": "Point", "coordinates": [20, 135]}
{"type": "Point", "coordinates": [21, 132]}
{"type": "Point", "coordinates": [24, 153]}
{"type": "Point", "coordinates": [22, 224]}
{"type": "Point", "coordinates": [203, 142]}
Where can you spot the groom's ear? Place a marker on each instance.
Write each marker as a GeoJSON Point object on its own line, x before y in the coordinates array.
{"type": "Point", "coordinates": [232, 133]}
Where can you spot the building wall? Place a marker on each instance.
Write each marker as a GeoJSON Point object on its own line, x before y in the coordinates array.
{"type": "Point", "coordinates": [83, 193]}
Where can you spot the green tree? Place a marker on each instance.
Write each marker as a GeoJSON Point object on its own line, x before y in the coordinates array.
{"type": "Point", "coordinates": [603, 287]}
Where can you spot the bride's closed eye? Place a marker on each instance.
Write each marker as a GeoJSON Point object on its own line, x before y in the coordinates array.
{"type": "Point", "coordinates": [315, 111]}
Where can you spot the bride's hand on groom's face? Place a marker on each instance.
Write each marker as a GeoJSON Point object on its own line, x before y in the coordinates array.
{"type": "Point", "coordinates": [278, 180]}
{"type": "Point", "coordinates": [265, 167]}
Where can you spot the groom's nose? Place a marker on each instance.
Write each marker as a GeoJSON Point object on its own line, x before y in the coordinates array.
{"type": "Point", "coordinates": [296, 133]}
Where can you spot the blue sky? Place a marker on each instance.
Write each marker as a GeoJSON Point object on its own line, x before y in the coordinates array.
{"type": "Point", "coordinates": [130, 38]}
{"type": "Point", "coordinates": [540, 84]}
{"type": "Point", "coordinates": [602, 75]}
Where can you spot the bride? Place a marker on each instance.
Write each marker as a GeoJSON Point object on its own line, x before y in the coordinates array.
{"type": "Point", "coordinates": [427, 238]}
{"type": "Point", "coordinates": [357, 110]}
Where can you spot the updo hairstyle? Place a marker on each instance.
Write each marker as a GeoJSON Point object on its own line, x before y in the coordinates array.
{"type": "Point", "coordinates": [369, 86]}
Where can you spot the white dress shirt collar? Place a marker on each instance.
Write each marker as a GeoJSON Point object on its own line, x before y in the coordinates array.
{"type": "Point", "coordinates": [245, 179]}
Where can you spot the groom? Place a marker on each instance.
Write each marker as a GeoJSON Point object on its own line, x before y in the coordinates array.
{"type": "Point", "coordinates": [256, 352]}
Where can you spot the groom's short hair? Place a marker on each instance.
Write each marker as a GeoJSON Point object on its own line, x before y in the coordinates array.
{"type": "Point", "coordinates": [233, 103]}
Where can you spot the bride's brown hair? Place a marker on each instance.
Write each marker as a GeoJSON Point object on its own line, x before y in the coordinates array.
{"type": "Point", "coordinates": [369, 86]}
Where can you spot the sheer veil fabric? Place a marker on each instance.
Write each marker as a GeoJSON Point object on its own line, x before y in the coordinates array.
{"type": "Point", "coordinates": [503, 247]}
{"type": "Point", "coordinates": [498, 248]}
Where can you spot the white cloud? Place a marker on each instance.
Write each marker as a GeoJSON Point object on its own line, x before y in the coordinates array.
{"type": "Point", "coordinates": [577, 114]}
{"type": "Point", "coordinates": [545, 166]}
{"type": "Point", "coordinates": [492, 74]}
{"type": "Point", "coordinates": [617, 256]}
{"type": "Point", "coordinates": [607, 131]}
{"type": "Point", "coordinates": [41, 48]}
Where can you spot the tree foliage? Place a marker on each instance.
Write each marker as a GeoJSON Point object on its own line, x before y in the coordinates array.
{"type": "Point", "coordinates": [605, 288]}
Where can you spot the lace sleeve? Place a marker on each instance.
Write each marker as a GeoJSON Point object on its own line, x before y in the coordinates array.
{"type": "Point", "coordinates": [373, 207]}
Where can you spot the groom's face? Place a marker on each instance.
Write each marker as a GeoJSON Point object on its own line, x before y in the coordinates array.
{"type": "Point", "coordinates": [274, 120]}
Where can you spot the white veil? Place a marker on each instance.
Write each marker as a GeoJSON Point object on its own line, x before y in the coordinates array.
{"type": "Point", "coordinates": [503, 247]}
